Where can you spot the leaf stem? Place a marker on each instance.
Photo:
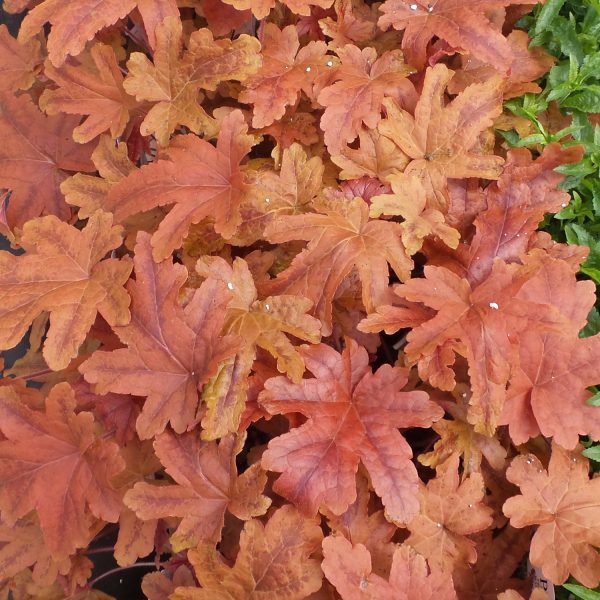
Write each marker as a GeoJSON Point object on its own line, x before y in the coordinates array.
{"type": "Point", "coordinates": [94, 581]}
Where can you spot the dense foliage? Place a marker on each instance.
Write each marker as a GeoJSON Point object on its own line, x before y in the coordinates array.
{"type": "Point", "coordinates": [291, 322]}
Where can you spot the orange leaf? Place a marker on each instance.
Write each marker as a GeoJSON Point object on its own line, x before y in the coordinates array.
{"type": "Point", "coordinates": [173, 82]}
{"type": "Point", "coordinates": [55, 463]}
{"type": "Point", "coordinates": [273, 562]}
{"type": "Point", "coordinates": [462, 25]}
{"type": "Point", "coordinates": [356, 98]}
{"type": "Point", "coordinates": [97, 93]}
{"type": "Point", "coordinates": [18, 62]}
{"type": "Point", "coordinates": [62, 272]}
{"type": "Point", "coordinates": [450, 511]}
{"type": "Point", "coordinates": [36, 152]}
{"type": "Point", "coordinates": [76, 22]}
{"type": "Point", "coordinates": [285, 71]}
{"type": "Point", "coordinates": [348, 567]}
{"type": "Point", "coordinates": [565, 504]}
{"type": "Point", "coordinates": [199, 179]}
{"type": "Point", "coordinates": [409, 202]}
{"type": "Point", "coordinates": [442, 139]}
{"type": "Point", "coordinates": [171, 350]}
{"type": "Point", "coordinates": [206, 486]}
{"type": "Point", "coordinates": [353, 416]}
{"type": "Point", "coordinates": [340, 238]}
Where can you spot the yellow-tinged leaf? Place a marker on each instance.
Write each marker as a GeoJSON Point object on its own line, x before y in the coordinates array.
{"type": "Point", "coordinates": [62, 271]}
{"type": "Point", "coordinates": [173, 82]}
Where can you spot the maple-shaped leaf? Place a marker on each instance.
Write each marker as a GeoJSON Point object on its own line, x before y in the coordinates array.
{"type": "Point", "coordinates": [62, 271]}
{"type": "Point", "coordinates": [290, 191]}
{"type": "Point", "coordinates": [261, 324]}
{"type": "Point", "coordinates": [548, 389]}
{"type": "Point", "coordinates": [95, 92]}
{"type": "Point", "coordinates": [355, 23]}
{"type": "Point", "coordinates": [462, 25]}
{"type": "Point", "coordinates": [442, 139]}
{"type": "Point", "coordinates": [54, 462]}
{"type": "Point", "coordinates": [206, 485]}
{"type": "Point", "coordinates": [18, 62]}
{"type": "Point", "coordinates": [286, 70]}
{"type": "Point", "coordinates": [171, 351]}
{"type": "Point", "coordinates": [409, 201]}
{"type": "Point", "coordinates": [565, 503]}
{"type": "Point", "coordinates": [477, 321]}
{"type": "Point", "coordinates": [349, 568]}
{"type": "Point", "coordinates": [363, 81]}
{"type": "Point", "coordinates": [353, 416]}
{"type": "Point", "coordinates": [516, 204]}
{"type": "Point", "coordinates": [76, 22]}
{"type": "Point", "coordinates": [274, 562]}
{"type": "Point", "coordinates": [35, 157]}
{"type": "Point", "coordinates": [377, 156]}
{"type": "Point", "coordinates": [172, 82]}
{"type": "Point", "coordinates": [264, 323]}
{"type": "Point", "coordinates": [340, 238]}
{"type": "Point", "coordinates": [450, 511]}
{"type": "Point", "coordinates": [200, 179]}
{"type": "Point", "coordinates": [89, 192]}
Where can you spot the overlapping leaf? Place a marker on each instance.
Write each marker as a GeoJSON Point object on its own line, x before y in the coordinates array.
{"type": "Point", "coordinates": [54, 462]}
{"type": "Point", "coordinates": [172, 82]}
{"type": "Point", "coordinates": [171, 350]}
{"type": "Point", "coordinates": [286, 70]}
{"type": "Point", "coordinates": [74, 23]}
{"type": "Point", "coordinates": [62, 271]}
{"type": "Point", "coordinates": [35, 157]}
{"type": "Point", "coordinates": [97, 93]}
{"type": "Point", "coordinates": [450, 511]}
{"type": "Point", "coordinates": [206, 486]}
{"type": "Point", "coordinates": [462, 25]}
{"type": "Point", "coordinates": [340, 238]}
{"type": "Point", "coordinates": [563, 501]}
{"type": "Point", "coordinates": [274, 561]}
{"type": "Point", "coordinates": [442, 139]}
{"type": "Point", "coordinates": [353, 415]}
{"type": "Point", "coordinates": [200, 179]}
{"type": "Point", "coordinates": [363, 81]}
{"type": "Point", "coordinates": [348, 567]}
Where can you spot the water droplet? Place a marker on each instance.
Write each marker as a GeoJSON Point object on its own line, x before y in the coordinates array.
{"type": "Point", "coordinates": [574, 459]}
{"type": "Point", "coordinates": [267, 200]}
{"type": "Point", "coordinates": [564, 204]}
{"type": "Point", "coordinates": [413, 7]}
{"type": "Point", "coordinates": [539, 470]}
{"type": "Point", "coordinates": [330, 63]}
{"type": "Point", "coordinates": [518, 235]}
{"type": "Point", "coordinates": [529, 461]}
{"type": "Point", "coordinates": [364, 584]}
{"type": "Point", "coordinates": [430, 8]}
{"type": "Point", "coordinates": [494, 305]}
{"type": "Point", "coordinates": [230, 285]}
{"type": "Point", "coordinates": [439, 525]}
{"type": "Point", "coordinates": [120, 580]}
{"type": "Point", "coordinates": [308, 69]}
{"type": "Point", "coordinates": [470, 505]}
{"type": "Point", "coordinates": [268, 306]}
